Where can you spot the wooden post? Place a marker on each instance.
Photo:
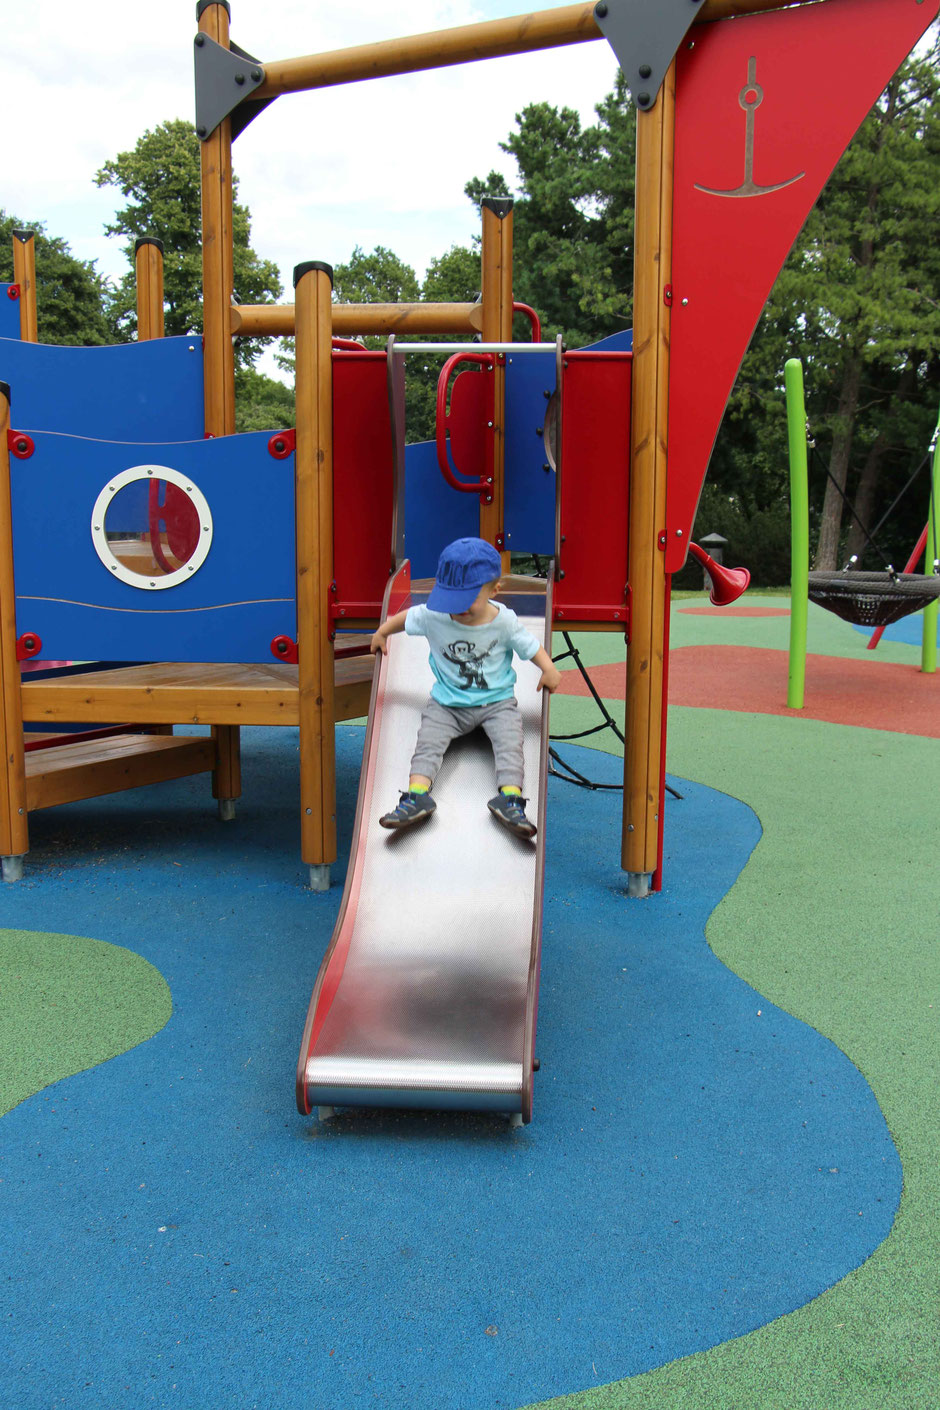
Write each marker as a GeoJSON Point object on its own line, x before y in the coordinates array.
{"type": "Point", "coordinates": [645, 703]}
{"type": "Point", "coordinates": [14, 833]}
{"type": "Point", "coordinates": [313, 288]}
{"type": "Point", "coordinates": [148, 268]}
{"type": "Point", "coordinates": [218, 277]}
{"type": "Point", "coordinates": [497, 328]}
{"type": "Point", "coordinates": [24, 274]}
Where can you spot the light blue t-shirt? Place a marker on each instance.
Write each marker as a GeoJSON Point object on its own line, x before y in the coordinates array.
{"type": "Point", "coordinates": [472, 665]}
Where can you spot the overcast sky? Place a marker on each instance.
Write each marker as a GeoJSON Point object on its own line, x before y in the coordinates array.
{"type": "Point", "coordinates": [375, 163]}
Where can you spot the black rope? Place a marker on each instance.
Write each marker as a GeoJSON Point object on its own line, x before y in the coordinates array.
{"type": "Point", "coordinates": [608, 722]}
{"type": "Point", "coordinates": [851, 508]}
{"type": "Point", "coordinates": [899, 496]}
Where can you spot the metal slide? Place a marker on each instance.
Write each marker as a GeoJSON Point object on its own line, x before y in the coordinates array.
{"type": "Point", "coordinates": [427, 994]}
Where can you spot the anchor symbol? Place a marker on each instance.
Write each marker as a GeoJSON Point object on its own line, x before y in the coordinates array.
{"type": "Point", "coordinates": [750, 99]}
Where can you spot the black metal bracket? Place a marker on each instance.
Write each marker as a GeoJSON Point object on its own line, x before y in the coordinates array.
{"type": "Point", "coordinates": [224, 78]}
{"type": "Point", "coordinates": [645, 35]}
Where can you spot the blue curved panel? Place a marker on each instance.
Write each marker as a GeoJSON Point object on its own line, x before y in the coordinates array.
{"type": "Point", "coordinates": [435, 514]}
{"type": "Point", "coordinates": [241, 597]}
{"type": "Point", "coordinates": [9, 316]}
{"type": "Point", "coordinates": [150, 391]}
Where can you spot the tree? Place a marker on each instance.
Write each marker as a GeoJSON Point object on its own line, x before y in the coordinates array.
{"type": "Point", "coordinates": [573, 215]}
{"type": "Point", "coordinates": [70, 293]}
{"type": "Point", "coordinates": [161, 176]}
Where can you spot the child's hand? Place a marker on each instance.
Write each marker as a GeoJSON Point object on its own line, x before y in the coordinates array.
{"type": "Point", "coordinates": [379, 643]}
{"type": "Point", "coordinates": [550, 679]}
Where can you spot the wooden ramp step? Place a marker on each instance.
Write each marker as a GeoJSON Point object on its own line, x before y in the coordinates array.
{"type": "Point", "coordinates": [91, 768]}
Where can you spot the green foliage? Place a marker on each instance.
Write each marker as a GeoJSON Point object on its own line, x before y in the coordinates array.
{"type": "Point", "coordinates": [573, 216]}
{"type": "Point", "coordinates": [161, 178]}
{"type": "Point", "coordinates": [70, 293]}
{"type": "Point", "coordinates": [261, 403]}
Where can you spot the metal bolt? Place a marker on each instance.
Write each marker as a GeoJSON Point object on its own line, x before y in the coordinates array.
{"type": "Point", "coordinates": [678, 533]}
{"type": "Point", "coordinates": [561, 573]}
{"type": "Point", "coordinates": [645, 70]}
{"type": "Point", "coordinates": [239, 77]}
{"type": "Point", "coordinates": [685, 303]}
{"type": "Point", "coordinates": [201, 129]}
{"type": "Point", "coordinates": [490, 425]}
{"type": "Point", "coordinates": [539, 430]}
{"type": "Point", "coordinates": [545, 465]}
{"type": "Point", "coordinates": [630, 827]}
{"type": "Point", "coordinates": [256, 75]}
{"type": "Point", "coordinates": [600, 9]}
{"type": "Point", "coordinates": [643, 99]}
{"type": "Point", "coordinates": [200, 40]}
{"type": "Point", "coordinates": [309, 811]}
{"type": "Point", "coordinates": [546, 395]}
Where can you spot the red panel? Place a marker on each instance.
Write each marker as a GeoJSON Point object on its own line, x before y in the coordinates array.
{"type": "Point", "coordinates": [765, 107]}
{"type": "Point", "coordinates": [363, 475]}
{"type": "Point", "coordinates": [591, 572]}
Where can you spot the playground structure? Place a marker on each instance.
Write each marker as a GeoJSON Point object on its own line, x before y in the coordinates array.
{"type": "Point", "coordinates": [721, 87]}
{"type": "Point", "coordinates": [866, 599]}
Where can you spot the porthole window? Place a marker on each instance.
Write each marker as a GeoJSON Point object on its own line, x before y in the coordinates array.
{"type": "Point", "coordinates": [151, 527]}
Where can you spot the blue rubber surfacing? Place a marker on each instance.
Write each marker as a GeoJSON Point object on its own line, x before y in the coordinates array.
{"type": "Point", "coordinates": [175, 1234]}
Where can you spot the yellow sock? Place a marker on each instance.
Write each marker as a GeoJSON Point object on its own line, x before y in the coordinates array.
{"type": "Point", "coordinates": [418, 788]}
{"type": "Point", "coordinates": [511, 788]}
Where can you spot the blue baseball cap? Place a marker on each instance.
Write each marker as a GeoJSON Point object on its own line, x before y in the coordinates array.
{"type": "Point", "coordinates": [463, 568]}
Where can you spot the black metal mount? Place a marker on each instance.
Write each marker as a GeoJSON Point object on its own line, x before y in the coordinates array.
{"type": "Point", "coordinates": [301, 269]}
{"type": "Point", "coordinates": [645, 35]}
{"type": "Point", "coordinates": [499, 205]}
{"type": "Point", "coordinates": [148, 240]}
{"type": "Point", "coordinates": [224, 79]}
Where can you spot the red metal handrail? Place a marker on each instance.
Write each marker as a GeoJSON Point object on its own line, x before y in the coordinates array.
{"type": "Point", "coordinates": [533, 318]}
{"type": "Point", "coordinates": [441, 420]}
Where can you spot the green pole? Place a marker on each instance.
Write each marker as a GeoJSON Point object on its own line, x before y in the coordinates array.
{"type": "Point", "coordinates": [799, 531]}
{"type": "Point", "coordinates": [928, 651]}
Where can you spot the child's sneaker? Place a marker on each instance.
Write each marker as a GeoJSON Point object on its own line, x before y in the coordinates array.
{"type": "Point", "coordinates": [510, 809]}
{"type": "Point", "coordinates": [412, 808]}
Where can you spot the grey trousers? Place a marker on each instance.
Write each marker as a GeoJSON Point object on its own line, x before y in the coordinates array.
{"type": "Point", "coordinates": [441, 724]}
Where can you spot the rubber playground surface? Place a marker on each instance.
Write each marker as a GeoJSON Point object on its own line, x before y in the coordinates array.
{"type": "Point", "coordinates": [728, 1194]}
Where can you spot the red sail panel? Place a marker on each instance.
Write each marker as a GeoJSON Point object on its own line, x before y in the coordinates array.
{"type": "Point", "coordinates": [765, 107]}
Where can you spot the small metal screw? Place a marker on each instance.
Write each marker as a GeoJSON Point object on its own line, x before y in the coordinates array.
{"type": "Point", "coordinates": [645, 70]}
{"type": "Point", "coordinates": [200, 40]}
{"type": "Point", "coordinates": [630, 827]}
{"type": "Point", "coordinates": [256, 75]}
{"type": "Point", "coordinates": [309, 811]}
{"type": "Point", "coordinates": [600, 9]}
{"type": "Point", "coordinates": [685, 303]}
{"type": "Point", "coordinates": [239, 77]}
{"type": "Point", "coordinates": [201, 129]}
{"type": "Point", "coordinates": [539, 430]}
{"type": "Point", "coordinates": [546, 395]}
{"type": "Point", "coordinates": [561, 573]}
{"type": "Point", "coordinates": [490, 425]}
{"type": "Point", "coordinates": [643, 99]}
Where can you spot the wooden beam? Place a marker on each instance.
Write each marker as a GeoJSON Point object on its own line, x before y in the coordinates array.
{"type": "Point", "coordinates": [218, 276]}
{"type": "Point", "coordinates": [24, 274]}
{"type": "Point", "coordinates": [645, 703]}
{"type": "Point", "coordinates": [148, 269]}
{"type": "Point", "coordinates": [548, 29]}
{"type": "Point", "coordinates": [14, 833]}
{"type": "Point", "coordinates": [366, 320]}
{"type": "Point", "coordinates": [496, 262]}
{"type": "Point", "coordinates": [313, 462]}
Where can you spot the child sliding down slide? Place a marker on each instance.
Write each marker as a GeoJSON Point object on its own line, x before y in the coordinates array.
{"type": "Point", "coordinates": [471, 640]}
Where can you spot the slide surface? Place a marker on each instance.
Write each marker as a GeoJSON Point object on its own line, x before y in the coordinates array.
{"type": "Point", "coordinates": [427, 994]}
